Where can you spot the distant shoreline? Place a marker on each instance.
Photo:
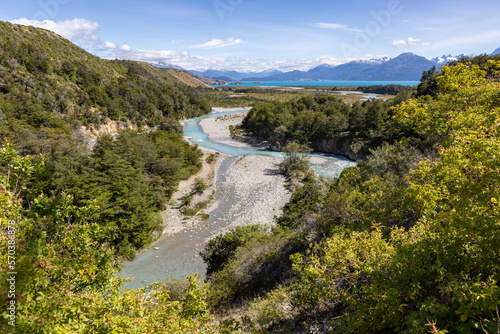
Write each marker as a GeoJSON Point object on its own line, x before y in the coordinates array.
{"type": "Point", "coordinates": [328, 83]}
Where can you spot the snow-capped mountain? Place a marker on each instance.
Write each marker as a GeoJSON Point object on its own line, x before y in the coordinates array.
{"type": "Point", "coordinates": [445, 59]}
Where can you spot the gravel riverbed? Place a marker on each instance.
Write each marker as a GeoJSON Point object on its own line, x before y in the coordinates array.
{"type": "Point", "coordinates": [249, 190]}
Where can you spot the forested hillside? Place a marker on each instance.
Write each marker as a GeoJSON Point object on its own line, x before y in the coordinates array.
{"type": "Point", "coordinates": [328, 124]}
{"type": "Point", "coordinates": [50, 88]}
{"type": "Point", "coordinates": [44, 76]}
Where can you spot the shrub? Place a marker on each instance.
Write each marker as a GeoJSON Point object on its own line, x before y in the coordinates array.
{"type": "Point", "coordinates": [199, 186]}
{"type": "Point", "coordinates": [190, 211]}
{"type": "Point", "coordinates": [296, 158]}
{"type": "Point", "coordinates": [220, 249]}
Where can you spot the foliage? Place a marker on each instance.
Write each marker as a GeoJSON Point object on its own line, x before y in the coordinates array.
{"type": "Point", "coordinates": [49, 88]}
{"type": "Point", "coordinates": [199, 186]}
{"type": "Point", "coordinates": [45, 78]}
{"type": "Point", "coordinates": [327, 123]}
{"type": "Point", "coordinates": [65, 271]}
{"type": "Point", "coordinates": [441, 270]}
{"type": "Point", "coordinates": [296, 160]}
{"type": "Point", "coordinates": [221, 249]}
{"type": "Point", "coordinates": [384, 89]}
{"type": "Point", "coordinates": [406, 241]}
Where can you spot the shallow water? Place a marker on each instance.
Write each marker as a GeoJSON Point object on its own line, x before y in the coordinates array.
{"type": "Point", "coordinates": [195, 133]}
{"type": "Point", "coordinates": [178, 256]}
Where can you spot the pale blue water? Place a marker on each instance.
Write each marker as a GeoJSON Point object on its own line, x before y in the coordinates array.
{"type": "Point", "coordinates": [177, 256]}
{"type": "Point", "coordinates": [192, 129]}
{"type": "Point", "coordinates": [319, 83]}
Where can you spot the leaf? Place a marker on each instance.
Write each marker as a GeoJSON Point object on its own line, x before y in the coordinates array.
{"type": "Point", "coordinates": [463, 318]}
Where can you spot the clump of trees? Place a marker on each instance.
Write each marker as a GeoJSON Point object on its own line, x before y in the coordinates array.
{"type": "Point", "coordinates": [327, 124]}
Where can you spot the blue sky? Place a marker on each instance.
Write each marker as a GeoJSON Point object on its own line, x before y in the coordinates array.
{"type": "Point", "coordinates": [255, 35]}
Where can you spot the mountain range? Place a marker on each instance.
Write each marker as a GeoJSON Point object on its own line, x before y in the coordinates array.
{"type": "Point", "coordinates": [405, 67]}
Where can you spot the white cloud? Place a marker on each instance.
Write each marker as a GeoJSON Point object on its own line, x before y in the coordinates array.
{"type": "Point", "coordinates": [410, 41]}
{"type": "Point", "coordinates": [76, 30]}
{"type": "Point", "coordinates": [325, 25]}
{"type": "Point", "coordinates": [125, 47]}
{"type": "Point", "coordinates": [110, 45]}
{"type": "Point", "coordinates": [192, 62]}
{"type": "Point", "coordinates": [219, 43]}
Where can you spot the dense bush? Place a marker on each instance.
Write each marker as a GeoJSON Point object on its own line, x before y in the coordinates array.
{"type": "Point", "coordinates": [411, 240]}
{"type": "Point", "coordinates": [221, 249]}
{"type": "Point", "coordinates": [327, 124]}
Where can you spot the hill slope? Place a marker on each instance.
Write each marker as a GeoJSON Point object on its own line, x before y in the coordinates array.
{"type": "Point", "coordinates": [41, 72]}
{"type": "Point", "coordinates": [50, 88]}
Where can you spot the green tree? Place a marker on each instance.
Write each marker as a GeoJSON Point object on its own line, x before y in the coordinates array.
{"type": "Point", "coordinates": [296, 158]}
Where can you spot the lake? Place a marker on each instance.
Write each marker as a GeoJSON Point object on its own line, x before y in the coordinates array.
{"type": "Point", "coordinates": [318, 83]}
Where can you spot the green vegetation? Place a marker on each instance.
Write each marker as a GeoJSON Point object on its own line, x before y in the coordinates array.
{"type": "Point", "coordinates": [132, 177]}
{"type": "Point", "coordinates": [49, 88]}
{"type": "Point", "coordinates": [376, 89]}
{"type": "Point", "coordinates": [221, 249]}
{"type": "Point", "coordinates": [328, 124]}
{"type": "Point", "coordinates": [296, 162]}
{"type": "Point", "coordinates": [199, 186]}
{"type": "Point", "coordinates": [65, 279]}
{"type": "Point", "coordinates": [406, 241]}
{"type": "Point", "coordinates": [45, 79]}
{"type": "Point", "coordinates": [235, 97]}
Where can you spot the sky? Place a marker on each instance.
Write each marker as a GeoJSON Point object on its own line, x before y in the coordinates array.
{"type": "Point", "coordinates": [258, 35]}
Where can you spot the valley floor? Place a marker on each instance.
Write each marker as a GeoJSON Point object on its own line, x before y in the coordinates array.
{"type": "Point", "coordinates": [248, 190]}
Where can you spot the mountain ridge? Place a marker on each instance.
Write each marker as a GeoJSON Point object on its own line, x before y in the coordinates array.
{"type": "Point", "coordinates": [405, 67]}
{"type": "Point", "coordinates": [390, 69]}
{"type": "Point", "coordinates": [44, 74]}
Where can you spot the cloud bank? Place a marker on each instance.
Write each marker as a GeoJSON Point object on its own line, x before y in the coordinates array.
{"type": "Point", "coordinates": [199, 63]}
{"type": "Point", "coordinates": [76, 30]}
{"type": "Point", "coordinates": [219, 43]}
{"type": "Point", "coordinates": [410, 41]}
{"type": "Point", "coordinates": [337, 26]}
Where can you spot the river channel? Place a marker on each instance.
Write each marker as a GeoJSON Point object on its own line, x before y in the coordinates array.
{"type": "Point", "coordinates": [177, 256]}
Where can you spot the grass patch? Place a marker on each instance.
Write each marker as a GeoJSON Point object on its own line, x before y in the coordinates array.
{"type": "Point", "coordinates": [204, 216]}
{"type": "Point", "coordinates": [190, 211]}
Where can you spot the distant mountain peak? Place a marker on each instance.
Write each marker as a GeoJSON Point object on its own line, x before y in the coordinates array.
{"type": "Point", "coordinates": [166, 65]}
{"type": "Point", "coordinates": [407, 55]}
{"type": "Point", "coordinates": [496, 52]}
{"type": "Point", "coordinates": [326, 66]}
{"type": "Point", "coordinates": [444, 59]}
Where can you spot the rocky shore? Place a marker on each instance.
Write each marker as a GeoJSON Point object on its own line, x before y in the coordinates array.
{"type": "Point", "coordinates": [251, 191]}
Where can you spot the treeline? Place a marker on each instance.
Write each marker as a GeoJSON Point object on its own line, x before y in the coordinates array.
{"type": "Point", "coordinates": [328, 124]}
{"type": "Point", "coordinates": [384, 89]}
{"type": "Point", "coordinates": [405, 242]}
{"type": "Point", "coordinates": [376, 89]}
